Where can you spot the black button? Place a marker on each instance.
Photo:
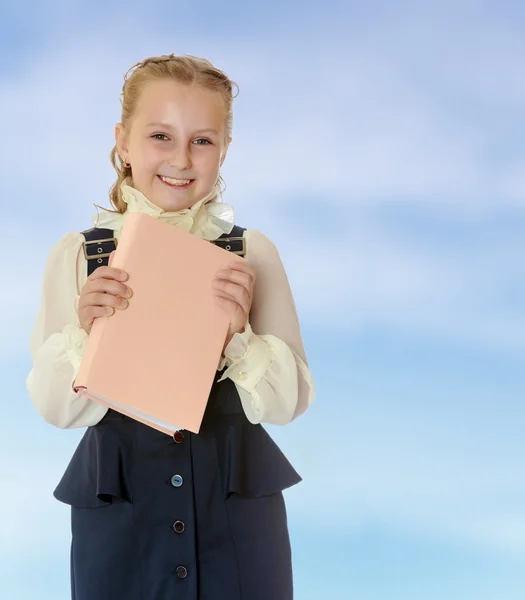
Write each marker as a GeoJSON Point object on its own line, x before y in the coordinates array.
{"type": "Point", "coordinates": [176, 481]}
{"type": "Point", "coordinates": [179, 526]}
{"type": "Point", "coordinates": [178, 436]}
{"type": "Point", "coordinates": [182, 572]}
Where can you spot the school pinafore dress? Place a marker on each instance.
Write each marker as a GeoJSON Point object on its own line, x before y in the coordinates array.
{"type": "Point", "coordinates": [182, 517]}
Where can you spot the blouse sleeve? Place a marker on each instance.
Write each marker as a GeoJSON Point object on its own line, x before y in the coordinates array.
{"type": "Point", "coordinates": [58, 341]}
{"type": "Point", "coordinates": [267, 362]}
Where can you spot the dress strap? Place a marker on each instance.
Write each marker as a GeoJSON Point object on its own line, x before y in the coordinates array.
{"type": "Point", "coordinates": [233, 241]}
{"type": "Point", "coordinates": [99, 244]}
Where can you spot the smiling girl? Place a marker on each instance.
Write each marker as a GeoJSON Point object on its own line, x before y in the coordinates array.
{"type": "Point", "coordinates": [156, 517]}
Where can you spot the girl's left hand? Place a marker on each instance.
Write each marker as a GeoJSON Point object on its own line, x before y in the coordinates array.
{"type": "Point", "coordinates": [234, 292]}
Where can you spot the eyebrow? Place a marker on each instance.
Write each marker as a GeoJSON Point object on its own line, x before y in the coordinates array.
{"type": "Point", "coordinates": [166, 126]}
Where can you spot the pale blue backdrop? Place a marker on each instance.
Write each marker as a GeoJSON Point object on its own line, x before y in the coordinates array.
{"type": "Point", "coordinates": [380, 145]}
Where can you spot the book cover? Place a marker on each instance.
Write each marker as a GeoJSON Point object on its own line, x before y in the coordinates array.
{"type": "Point", "coordinates": [156, 360]}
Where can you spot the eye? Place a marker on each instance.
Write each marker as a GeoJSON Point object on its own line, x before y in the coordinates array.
{"type": "Point", "coordinates": [203, 140]}
{"type": "Point", "coordinates": [156, 136]}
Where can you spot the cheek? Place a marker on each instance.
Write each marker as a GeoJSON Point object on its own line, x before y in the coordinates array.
{"type": "Point", "coordinates": [147, 166]}
{"type": "Point", "coordinates": [209, 161]}
{"type": "Point", "coordinates": [151, 158]}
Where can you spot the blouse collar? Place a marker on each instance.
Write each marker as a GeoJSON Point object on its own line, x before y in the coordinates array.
{"type": "Point", "coordinates": [205, 219]}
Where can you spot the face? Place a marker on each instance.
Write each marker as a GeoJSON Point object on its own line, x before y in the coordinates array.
{"type": "Point", "coordinates": [178, 132]}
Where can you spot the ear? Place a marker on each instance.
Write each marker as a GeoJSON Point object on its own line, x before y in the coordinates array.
{"type": "Point", "coordinates": [121, 140]}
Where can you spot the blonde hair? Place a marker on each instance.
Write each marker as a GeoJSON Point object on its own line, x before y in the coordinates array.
{"type": "Point", "coordinates": [184, 69]}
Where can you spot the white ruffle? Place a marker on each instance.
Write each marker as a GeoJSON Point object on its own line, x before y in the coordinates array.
{"type": "Point", "coordinates": [75, 340]}
{"type": "Point", "coordinates": [205, 219]}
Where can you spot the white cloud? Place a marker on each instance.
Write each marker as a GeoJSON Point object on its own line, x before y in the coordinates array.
{"type": "Point", "coordinates": [351, 124]}
{"type": "Point", "coordinates": [355, 133]}
{"type": "Point", "coordinates": [26, 530]}
{"type": "Point", "coordinates": [349, 127]}
{"type": "Point", "coordinates": [398, 476]}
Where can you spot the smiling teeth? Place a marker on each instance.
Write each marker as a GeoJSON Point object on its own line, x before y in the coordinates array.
{"type": "Point", "coordinates": [175, 181]}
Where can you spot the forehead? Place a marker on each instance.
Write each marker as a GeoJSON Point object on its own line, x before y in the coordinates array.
{"type": "Point", "coordinates": [177, 103]}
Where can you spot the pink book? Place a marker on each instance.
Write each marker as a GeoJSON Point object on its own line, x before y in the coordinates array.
{"type": "Point", "coordinates": [156, 360]}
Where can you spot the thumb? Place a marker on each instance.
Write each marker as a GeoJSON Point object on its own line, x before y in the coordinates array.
{"type": "Point", "coordinates": [110, 260]}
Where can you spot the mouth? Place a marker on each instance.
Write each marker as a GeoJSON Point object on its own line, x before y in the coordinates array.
{"type": "Point", "coordinates": [176, 183]}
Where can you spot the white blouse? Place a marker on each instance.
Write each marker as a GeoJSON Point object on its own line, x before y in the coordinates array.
{"type": "Point", "coordinates": [267, 362]}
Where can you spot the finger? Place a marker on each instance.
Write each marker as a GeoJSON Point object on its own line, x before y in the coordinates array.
{"type": "Point", "coordinates": [110, 260]}
{"type": "Point", "coordinates": [239, 277]}
{"type": "Point", "coordinates": [232, 308]}
{"type": "Point", "coordinates": [236, 291]}
{"type": "Point", "coordinates": [221, 294]}
{"type": "Point", "coordinates": [244, 267]}
{"type": "Point", "coordinates": [108, 273]}
{"type": "Point", "coordinates": [97, 299]}
{"type": "Point", "coordinates": [93, 312]}
{"type": "Point", "coordinates": [109, 286]}
{"type": "Point", "coordinates": [243, 303]}
{"type": "Point", "coordinates": [234, 285]}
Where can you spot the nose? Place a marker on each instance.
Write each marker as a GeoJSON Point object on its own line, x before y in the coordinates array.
{"type": "Point", "coordinates": [180, 158]}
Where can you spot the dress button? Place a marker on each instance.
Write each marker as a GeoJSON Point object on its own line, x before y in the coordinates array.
{"type": "Point", "coordinates": [182, 572]}
{"type": "Point", "coordinates": [179, 526]}
{"type": "Point", "coordinates": [242, 375]}
{"type": "Point", "coordinates": [178, 436]}
{"type": "Point", "coordinates": [176, 481]}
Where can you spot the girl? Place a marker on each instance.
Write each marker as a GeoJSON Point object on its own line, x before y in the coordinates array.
{"type": "Point", "coordinates": [193, 517]}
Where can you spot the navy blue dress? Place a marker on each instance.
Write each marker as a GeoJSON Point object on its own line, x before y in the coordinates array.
{"type": "Point", "coordinates": [183, 517]}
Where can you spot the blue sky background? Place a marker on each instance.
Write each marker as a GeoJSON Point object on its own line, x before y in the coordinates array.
{"type": "Point", "coordinates": [380, 146]}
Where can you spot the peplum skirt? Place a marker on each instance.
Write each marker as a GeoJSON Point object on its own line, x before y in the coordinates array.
{"type": "Point", "coordinates": [188, 517]}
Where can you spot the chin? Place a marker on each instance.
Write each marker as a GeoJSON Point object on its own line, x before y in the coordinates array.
{"type": "Point", "coordinates": [173, 205]}
{"type": "Point", "coordinates": [170, 201]}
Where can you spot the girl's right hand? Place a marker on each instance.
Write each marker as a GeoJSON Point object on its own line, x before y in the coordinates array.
{"type": "Point", "coordinates": [102, 293]}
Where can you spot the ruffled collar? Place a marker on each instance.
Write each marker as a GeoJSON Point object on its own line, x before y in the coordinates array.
{"type": "Point", "coordinates": [205, 219]}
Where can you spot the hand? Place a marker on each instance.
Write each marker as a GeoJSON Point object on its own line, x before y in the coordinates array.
{"type": "Point", "coordinates": [102, 293]}
{"type": "Point", "coordinates": [234, 292]}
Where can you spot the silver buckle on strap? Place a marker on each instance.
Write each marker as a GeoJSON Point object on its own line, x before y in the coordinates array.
{"type": "Point", "coordinates": [242, 239]}
{"type": "Point", "coordinates": [100, 254]}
